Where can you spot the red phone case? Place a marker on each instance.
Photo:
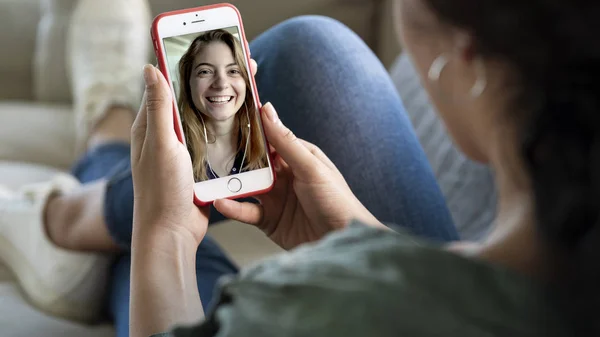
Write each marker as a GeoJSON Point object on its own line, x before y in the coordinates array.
{"type": "Point", "coordinates": [160, 55]}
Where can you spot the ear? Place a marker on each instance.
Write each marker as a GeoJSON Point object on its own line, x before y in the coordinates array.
{"type": "Point", "coordinates": [464, 47]}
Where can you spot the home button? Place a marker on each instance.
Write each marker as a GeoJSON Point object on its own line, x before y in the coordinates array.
{"type": "Point", "coordinates": [234, 185]}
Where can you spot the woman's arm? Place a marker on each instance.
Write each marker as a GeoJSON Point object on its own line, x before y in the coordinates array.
{"type": "Point", "coordinates": [167, 226]}
{"type": "Point", "coordinates": [164, 292]}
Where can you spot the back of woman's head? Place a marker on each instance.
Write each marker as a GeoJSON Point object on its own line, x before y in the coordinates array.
{"type": "Point", "coordinates": [553, 50]}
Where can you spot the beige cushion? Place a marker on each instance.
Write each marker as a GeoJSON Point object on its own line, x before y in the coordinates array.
{"type": "Point", "coordinates": [37, 133]}
{"type": "Point", "coordinates": [49, 67]}
{"type": "Point", "coordinates": [18, 25]}
{"type": "Point", "coordinates": [19, 319]}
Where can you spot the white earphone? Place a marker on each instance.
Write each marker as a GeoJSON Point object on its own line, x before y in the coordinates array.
{"type": "Point", "coordinates": [245, 147]}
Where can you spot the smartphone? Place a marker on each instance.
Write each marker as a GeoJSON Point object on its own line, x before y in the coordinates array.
{"type": "Point", "coordinates": [204, 55]}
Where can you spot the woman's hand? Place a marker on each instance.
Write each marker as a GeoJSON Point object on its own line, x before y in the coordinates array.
{"type": "Point", "coordinates": [163, 179]}
{"type": "Point", "coordinates": [167, 225]}
{"type": "Point", "coordinates": [162, 168]}
{"type": "Point", "coordinates": [310, 197]}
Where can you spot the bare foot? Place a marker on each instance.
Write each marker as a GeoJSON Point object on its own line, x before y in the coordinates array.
{"type": "Point", "coordinates": [75, 220]}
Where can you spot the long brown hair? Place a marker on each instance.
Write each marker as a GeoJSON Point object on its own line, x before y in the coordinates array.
{"type": "Point", "coordinates": [193, 129]}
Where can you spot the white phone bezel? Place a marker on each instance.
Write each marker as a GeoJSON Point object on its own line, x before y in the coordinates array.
{"type": "Point", "coordinates": [196, 22]}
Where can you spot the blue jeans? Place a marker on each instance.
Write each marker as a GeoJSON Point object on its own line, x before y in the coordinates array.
{"type": "Point", "coordinates": [331, 90]}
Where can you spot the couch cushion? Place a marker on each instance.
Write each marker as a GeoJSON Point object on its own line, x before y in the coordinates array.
{"type": "Point", "coordinates": [18, 26]}
{"type": "Point", "coordinates": [16, 174]}
{"type": "Point", "coordinates": [19, 319]}
{"type": "Point", "coordinates": [50, 64]}
{"type": "Point", "coordinates": [37, 133]}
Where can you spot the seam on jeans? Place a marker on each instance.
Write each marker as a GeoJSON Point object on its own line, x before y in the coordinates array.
{"type": "Point", "coordinates": [111, 221]}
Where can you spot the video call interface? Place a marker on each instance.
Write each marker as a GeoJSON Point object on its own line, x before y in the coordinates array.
{"type": "Point", "coordinates": [220, 119]}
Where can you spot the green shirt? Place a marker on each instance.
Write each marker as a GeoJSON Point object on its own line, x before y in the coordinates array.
{"type": "Point", "coordinates": [369, 282]}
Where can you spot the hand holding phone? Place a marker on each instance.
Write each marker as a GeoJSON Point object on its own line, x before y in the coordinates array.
{"type": "Point", "coordinates": [310, 199]}
{"type": "Point", "coordinates": [162, 174]}
{"type": "Point", "coordinates": [204, 55]}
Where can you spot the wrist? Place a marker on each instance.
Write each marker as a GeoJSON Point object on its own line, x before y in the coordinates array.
{"type": "Point", "coordinates": [164, 290]}
{"type": "Point", "coordinates": [164, 241]}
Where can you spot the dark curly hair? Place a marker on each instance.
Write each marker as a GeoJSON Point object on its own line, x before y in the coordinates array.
{"type": "Point", "coordinates": [553, 48]}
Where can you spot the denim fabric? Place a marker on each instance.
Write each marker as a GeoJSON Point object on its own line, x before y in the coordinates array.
{"type": "Point", "coordinates": [330, 89]}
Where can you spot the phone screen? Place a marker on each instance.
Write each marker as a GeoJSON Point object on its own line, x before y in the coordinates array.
{"type": "Point", "coordinates": [215, 102]}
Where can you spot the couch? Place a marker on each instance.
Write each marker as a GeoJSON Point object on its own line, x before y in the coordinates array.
{"type": "Point", "coordinates": [36, 136]}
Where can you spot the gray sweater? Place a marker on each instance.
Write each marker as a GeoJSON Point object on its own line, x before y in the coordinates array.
{"type": "Point", "coordinates": [369, 282]}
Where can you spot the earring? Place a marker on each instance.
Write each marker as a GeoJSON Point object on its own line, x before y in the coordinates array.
{"type": "Point", "coordinates": [435, 71]}
{"type": "Point", "coordinates": [481, 82]}
{"type": "Point", "coordinates": [440, 63]}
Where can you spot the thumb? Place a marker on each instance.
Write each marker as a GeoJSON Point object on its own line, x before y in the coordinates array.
{"type": "Point", "coordinates": [299, 158]}
{"type": "Point", "coordinates": [159, 104]}
{"type": "Point", "coordinates": [138, 132]}
{"type": "Point", "coordinates": [245, 212]}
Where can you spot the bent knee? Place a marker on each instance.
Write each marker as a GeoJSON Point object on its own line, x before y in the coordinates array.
{"type": "Point", "coordinates": [314, 32]}
{"type": "Point", "coordinates": [313, 24]}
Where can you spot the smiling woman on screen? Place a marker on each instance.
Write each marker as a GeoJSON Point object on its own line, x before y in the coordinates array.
{"type": "Point", "coordinates": [218, 115]}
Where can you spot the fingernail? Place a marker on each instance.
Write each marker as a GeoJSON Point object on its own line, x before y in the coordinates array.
{"type": "Point", "coordinates": [271, 113]}
{"type": "Point", "coordinates": [150, 74]}
{"type": "Point", "coordinates": [222, 202]}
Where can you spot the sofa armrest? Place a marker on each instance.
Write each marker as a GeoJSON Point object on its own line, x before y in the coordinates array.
{"type": "Point", "coordinates": [37, 133]}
